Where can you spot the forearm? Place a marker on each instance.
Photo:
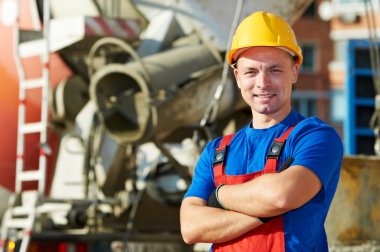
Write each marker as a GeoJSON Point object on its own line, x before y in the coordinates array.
{"type": "Point", "coordinates": [271, 194]}
{"type": "Point", "coordinates": [200, 223]}
{"type": "Point", "coordinates": [253, 198]}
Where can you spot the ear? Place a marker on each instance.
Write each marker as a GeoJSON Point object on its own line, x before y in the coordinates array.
{"type": "Point", "coordinates": [236, 73]}
{"type": "Point", "coordinates": [295, 71]}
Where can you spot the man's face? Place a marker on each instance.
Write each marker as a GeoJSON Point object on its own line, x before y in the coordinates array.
{"type": "Point", "coordinates": [265, 76]}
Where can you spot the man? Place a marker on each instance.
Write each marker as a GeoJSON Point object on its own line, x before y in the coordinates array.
{"type": "Point", "coordinates": [239, 199]}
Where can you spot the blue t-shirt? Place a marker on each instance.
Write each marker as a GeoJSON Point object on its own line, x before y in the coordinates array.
{"type": "Point", "coordinates": [312, 144]}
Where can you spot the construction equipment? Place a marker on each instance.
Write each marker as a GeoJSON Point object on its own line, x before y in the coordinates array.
{"type": "Point", "coordinates": [21, 213]}
{"type": "Point", "coordinates": [128, 116]}
{"type": "Point", "coordinates": [137, 88]}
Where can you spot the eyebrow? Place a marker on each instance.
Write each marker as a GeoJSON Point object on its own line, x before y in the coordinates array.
{"type": "Point", "coordinates": [276, 65]}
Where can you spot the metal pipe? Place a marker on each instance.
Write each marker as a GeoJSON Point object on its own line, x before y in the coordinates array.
{"type": "Point", "coordinates": [189, 105]}
{"type": "Point", "coordinates": [128, 99]}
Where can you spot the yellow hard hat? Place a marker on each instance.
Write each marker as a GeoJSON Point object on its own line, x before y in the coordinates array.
{"type": "Point", "coordinates": [264, 29]}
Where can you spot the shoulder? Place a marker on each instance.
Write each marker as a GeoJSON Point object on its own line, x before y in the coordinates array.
{"type": "Point", "coordinates": [318, 147]}
{"type": "Point", "coordinates": [313, 128]}
{"type": "Point", "coordinates": [315, 142]}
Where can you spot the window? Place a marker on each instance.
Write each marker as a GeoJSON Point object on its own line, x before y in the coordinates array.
{"type": "Point", "coordinates": [309, 58]}
{"type": "Point", "coordinates": [310, 11]}
{"type": "Point", "coordinates": [305, 102]}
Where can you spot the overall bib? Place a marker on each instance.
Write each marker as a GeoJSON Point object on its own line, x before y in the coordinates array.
{"type": "Point", "coordinates": [269, 237]}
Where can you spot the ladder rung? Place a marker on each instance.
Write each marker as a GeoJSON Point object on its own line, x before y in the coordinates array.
{"type": "Point", "coordinates": [32, 48]}
{"type": "Point", "coordinates": [21, 211]}
{"type": "Point", "coordinates": [29, 128]}
{"type": "Point", "coordinates": [18, 223]}
{"type": "Point", "coordinates": [33, 83]}
{"type": "Point", "coordinates": [30, 175]}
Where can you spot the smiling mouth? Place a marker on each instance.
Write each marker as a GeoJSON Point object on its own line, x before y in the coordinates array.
{"type": "Point", "coordinates": [264, 95]}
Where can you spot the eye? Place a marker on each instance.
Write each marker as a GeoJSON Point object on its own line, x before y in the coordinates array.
{"type": "Point", "coordinates": [276, 70]}
{"type": "Point", "coordinates": [250, 72]}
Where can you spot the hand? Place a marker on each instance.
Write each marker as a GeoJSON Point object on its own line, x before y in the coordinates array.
{"type": "Point", "coordinates": [213, 200]}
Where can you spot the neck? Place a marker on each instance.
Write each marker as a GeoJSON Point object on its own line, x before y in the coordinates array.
{"type": "Point", "coordinates": [263, 121]}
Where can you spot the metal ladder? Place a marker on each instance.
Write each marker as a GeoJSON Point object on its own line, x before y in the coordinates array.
{"type": "Point", "coordinates": [18, 220]}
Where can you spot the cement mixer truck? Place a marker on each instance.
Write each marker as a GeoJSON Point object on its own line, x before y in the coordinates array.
{"type": "Point", "coordinates": [115, 101]}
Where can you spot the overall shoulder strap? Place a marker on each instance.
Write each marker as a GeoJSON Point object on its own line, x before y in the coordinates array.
{"type": "Point", "coordinates": [220, 157]}
{"type": "Point", "coordinates": [275, 150]}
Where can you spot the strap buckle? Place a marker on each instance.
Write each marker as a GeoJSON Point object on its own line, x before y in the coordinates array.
{"type": "Point", "coordinates": [275, 149]}
{"type": "Point", "coordinates": [220, 156]}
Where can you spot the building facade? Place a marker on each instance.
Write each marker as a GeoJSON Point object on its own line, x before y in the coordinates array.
{"type": "Point", "coordinates": [336, 80]}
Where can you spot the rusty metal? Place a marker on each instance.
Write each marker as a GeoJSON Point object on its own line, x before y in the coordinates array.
{"type": "Point", "coordinates": [354, 215]}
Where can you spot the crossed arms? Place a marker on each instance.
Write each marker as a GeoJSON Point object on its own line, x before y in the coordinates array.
{"type": "Point", "coordinates": [266, 196]}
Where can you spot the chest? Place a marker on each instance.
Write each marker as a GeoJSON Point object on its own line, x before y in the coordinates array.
{"type": "Point", "coordinates": [249, 155]}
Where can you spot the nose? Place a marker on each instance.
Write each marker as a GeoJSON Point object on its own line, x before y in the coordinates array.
{"type": "Point", "coordinates": [262, 79]}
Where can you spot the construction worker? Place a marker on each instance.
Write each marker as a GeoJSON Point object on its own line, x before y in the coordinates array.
{"type": "Point", "coordinates": [269, 186]}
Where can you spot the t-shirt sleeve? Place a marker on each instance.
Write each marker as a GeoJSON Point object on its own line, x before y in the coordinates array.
{"type": "Point", "coordinates": [318, 147]}
{"type": "Point", "coordinates": [202, 183]}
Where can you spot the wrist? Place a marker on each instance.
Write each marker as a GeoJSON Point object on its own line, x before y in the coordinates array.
{"type": "Point", "coordinates": [217, 196]}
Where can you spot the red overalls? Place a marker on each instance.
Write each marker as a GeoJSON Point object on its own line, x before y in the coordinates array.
{"type": "Point", "coordinates": [269, 237]}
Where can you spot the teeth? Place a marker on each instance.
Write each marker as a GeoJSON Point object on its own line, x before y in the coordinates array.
{"type": "Point", "coordinates": [264, 96]}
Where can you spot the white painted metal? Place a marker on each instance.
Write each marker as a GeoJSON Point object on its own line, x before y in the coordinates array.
{"type": "Point", "coordinates": [67, 31]}
{"type": "Point", "coordinates": [24, 224]}
{"type": "Point", "coordinates": [30, 175]}
{"type": "Point", "coordinates": [29, 128]}
{"type": "Point", "coordinates": [160, 33]}
{"type": "Point", "coordinates": [68, 182]}
{"type": "Point", "coordinates": [32, 48]}
{"type": "Point", "coordinates": [212, 19]}
{"type": "Point", "coordinates": [33, 83]}
{"type": "Point", "coordinates": [209, 18]}
{"type": "Point", "coordinates": [72, 8]}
